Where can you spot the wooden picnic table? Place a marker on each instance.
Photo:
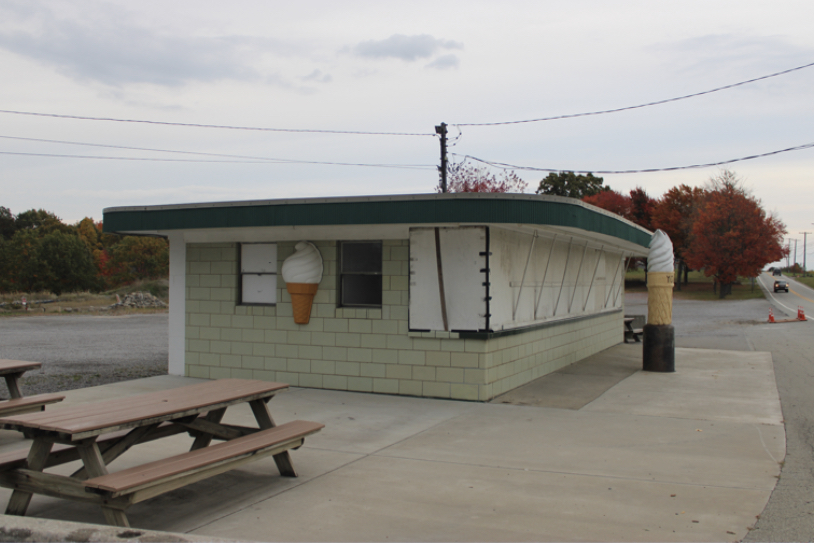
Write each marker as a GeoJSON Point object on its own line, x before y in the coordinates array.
{"type": "Point", "coordinates": [630, 332]}
{"type": "Point", "coordinates": [12, 370]}
{"type": "Point", "coordinates": [98, 433]}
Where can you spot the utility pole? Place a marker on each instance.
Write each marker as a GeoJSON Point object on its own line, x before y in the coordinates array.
{"type": "Point", "coordinates": [795, 253]}
{"type": "Point", "coordinates": [441, 129]}
{"type": "Point", "coordinates": [805, 236]}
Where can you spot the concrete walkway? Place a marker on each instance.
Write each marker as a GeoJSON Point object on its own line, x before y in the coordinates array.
{"type": "Point", "coordinates": [689, 456]}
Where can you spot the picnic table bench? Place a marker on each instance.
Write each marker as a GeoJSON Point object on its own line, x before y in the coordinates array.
{"type": "Point", "coordinates": [12, 370]}
{"type": "Point", "coordinates": [98, 433]}
{"type": "Point", "coordinates": [632, 333]}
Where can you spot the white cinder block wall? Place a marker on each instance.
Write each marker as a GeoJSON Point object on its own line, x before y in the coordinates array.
{"type": "Point", "coordinates": [369, 350]}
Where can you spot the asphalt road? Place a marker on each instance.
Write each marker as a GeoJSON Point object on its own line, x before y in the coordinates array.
{"type": "Point", "coordinates": [85, 351]}
{"type": "Point", "coordinates": [789, 515]}
{"type": "Point", "coordinates": [799, 295]}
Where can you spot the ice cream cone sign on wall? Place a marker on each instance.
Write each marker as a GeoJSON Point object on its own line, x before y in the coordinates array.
{"type": "Point", "coordinates": [302, 273]}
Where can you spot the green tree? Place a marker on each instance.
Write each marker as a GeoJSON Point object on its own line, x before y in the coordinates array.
{"type": "Point", "coordinates": [57, 262]}
{"type": "Point", "coordinates": [20, 264]}
{"type": "Point", "coordinates": [7, 226]}
{"type": "Point", "coordinates": [138, 257]}
{"type": "Point", "coordinates": [68, 263]}
{"type": "Point", "coordinates": [87, 231]}
{"type": "Point", "coordinates": [571, 185]}
{"type": "Point", "coordinates": [41, 221]}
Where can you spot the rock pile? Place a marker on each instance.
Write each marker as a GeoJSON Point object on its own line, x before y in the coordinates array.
{"type": "Point", "coordinates": [138, 299]}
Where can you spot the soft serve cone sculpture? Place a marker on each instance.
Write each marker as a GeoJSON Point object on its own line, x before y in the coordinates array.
{"type": "Point", "coordinates": [302, 273]}
{"type": "Point", "coordinates": [660, 280]}
{"type": "Point", "coordinates": [658, 339]}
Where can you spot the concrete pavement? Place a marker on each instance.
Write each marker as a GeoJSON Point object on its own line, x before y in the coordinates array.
{"type": "Point", "coordinates": [689, 456]}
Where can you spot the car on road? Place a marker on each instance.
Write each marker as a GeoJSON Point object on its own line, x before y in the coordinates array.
{"type": "Point", "coordinates": [781, 285]}
{"type": "Point", "coordinates": [776, 271]}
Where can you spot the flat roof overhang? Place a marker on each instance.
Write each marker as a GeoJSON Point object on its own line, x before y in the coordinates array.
{"type": "Point", "coordinates": [377, 217]}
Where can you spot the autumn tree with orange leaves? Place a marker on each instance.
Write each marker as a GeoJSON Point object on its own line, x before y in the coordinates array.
{"type": "Point", "coordinates": [675, 213]}
{"type": "Point", "coordinates": [610, 200]}
{"type": "Point", "coordinates": [732, 235]}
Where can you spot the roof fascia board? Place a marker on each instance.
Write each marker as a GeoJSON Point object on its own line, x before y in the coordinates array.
{"type": "Point", "coordinates": [415, 210]}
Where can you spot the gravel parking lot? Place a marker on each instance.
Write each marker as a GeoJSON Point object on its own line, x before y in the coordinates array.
{"type": "Point", "coordinates": [84, 351]}
{"type": "Point", "coordinates": [719, 324]}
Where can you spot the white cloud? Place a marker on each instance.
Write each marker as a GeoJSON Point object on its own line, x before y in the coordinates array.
{"type": "Point", "coordinates": [445, 62]}
{"type": "Point", "coordinates": [716, 53]}
{"type": "Point", "coordinates": [407, 48]}
{"type": "Point", "coordinates": [318, 76]}
{"type": "Point", "coordinates": [108, 48]}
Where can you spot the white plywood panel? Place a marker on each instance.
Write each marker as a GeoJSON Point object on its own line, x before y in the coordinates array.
{"type": "Point", "coordinates": [259, 289]}
{"type": "Point", "coordinates": [462, 264]}
{"type": "Point", "coordinates": [258, 257]}
{"type": "Point", "coordinates": [510, 251]}
{"type": "Point", "coordinates": [425, 308]}
{"type": "Point", "coordinates": [528, 287]}
{"type": "Point", "coordinates": [529, 277]}
{"type": "Point", "coordinates": [595, 300]}
{"type": "Point", "coordinates": [464, 279]}
{"type": "Point", "coordinates": [614, 298]}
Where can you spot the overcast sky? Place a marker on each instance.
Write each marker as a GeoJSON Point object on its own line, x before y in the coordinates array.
{"type": "Point", "coordinates": [403, 68]}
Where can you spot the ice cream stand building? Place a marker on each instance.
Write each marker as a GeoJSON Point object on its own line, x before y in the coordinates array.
{"type": "Point", "coordinates": [461, 296]}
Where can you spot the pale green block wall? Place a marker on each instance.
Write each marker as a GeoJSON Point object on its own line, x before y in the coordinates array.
{"type": "Point", "coordinates": [518, 359]}
{"type": "Point", "coordinates": [367, 350]}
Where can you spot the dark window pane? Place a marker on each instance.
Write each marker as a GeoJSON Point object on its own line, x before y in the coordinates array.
{"type": "Point", "coordinates": [361, 258]}
{"type": "Point", "coordinates": [361, 290]}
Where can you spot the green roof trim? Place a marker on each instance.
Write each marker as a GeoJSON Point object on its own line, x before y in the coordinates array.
{"type": "Point", "coordinates": [412, 209]}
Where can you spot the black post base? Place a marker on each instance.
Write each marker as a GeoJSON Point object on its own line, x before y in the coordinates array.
{"type": "Point", "coordinates": [659, 348]}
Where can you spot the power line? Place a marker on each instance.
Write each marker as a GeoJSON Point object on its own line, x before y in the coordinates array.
{"type": "Point", "coordinates": [505, 166]}
{"type": "Point", "coordinates": [260, 161]}
{"type": "Point", "coordinates": [243, 158]}
{"type": "Point", "coordinates": [656, 103]}
{"type": "Point", "coordinates": [217, 126]}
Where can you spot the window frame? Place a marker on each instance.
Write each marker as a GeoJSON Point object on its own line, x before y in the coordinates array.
{"type": "Point", "coordinates": [340, 274]}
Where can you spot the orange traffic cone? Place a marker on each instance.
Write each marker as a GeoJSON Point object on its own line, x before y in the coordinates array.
{"type": "Point", "coordinates": [771, 315]}
{"type": "Point", "coordinates": [801, 314]}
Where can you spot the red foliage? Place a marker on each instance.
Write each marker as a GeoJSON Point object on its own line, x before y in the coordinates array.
{"type": "Point", "coordinates": [612, 201]}
{"type": "Point", "coordinates": [638, 207]}
{"type": "Point", "coordinates": [465, 177]}
{"type": "Point", "coordinates": [732, 235]}
{"type": "Point", "coordinates": [675, 212]}
{"type": "Point", "coordinates": [641, 208]}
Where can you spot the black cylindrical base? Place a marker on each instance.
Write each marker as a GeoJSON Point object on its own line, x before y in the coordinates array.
{"type": "Point", "coordinates": [659, 348]}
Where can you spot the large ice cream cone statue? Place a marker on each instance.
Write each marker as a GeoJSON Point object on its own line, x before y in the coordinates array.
{"type": "Point", "coordinates": [659, 334]}
{"type": "Point", "coordinates": [660, 297]}
{"type": "Point", "coordinates": [302, 273]}
{"type": "Point", "coordinates": [660, 279]}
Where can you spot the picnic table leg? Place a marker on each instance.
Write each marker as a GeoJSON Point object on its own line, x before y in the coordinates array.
{"type": "Point", "coordinates": [264, 420]}
{"type": "Point", "coordinates": [95, 467]}
{"type": "Point", "coordinates": [37, 458]}
{"type": "Point", "coordinates": [13, 385]}
{"type": "Point", "coordinates": [203, 440]}
{"type": "Point", "coordinates": [115, 450]}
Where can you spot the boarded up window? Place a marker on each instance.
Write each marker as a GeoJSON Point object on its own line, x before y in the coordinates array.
{"type": "Point", "coordinates": [258, 273]}
{"type": "Point", "coordinates": [462, 276]}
